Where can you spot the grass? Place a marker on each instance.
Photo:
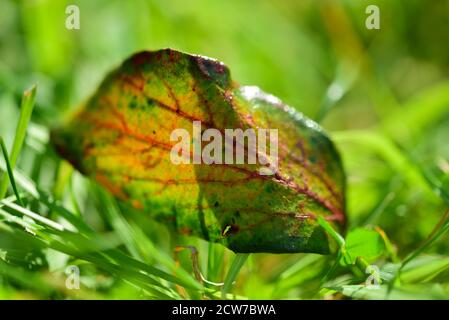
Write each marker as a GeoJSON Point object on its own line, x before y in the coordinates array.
{"type": "Point", "coordinates": [25, 115]}
{"type": "Point", "coordinates": [126, 254]}
{"type": "Point", "coordinates": [382, 96]}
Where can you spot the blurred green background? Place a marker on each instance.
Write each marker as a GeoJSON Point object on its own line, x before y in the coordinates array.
{"type": "Point", "coordinates": [383, 95]}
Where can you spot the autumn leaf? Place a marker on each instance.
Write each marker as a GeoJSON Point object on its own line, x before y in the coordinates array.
{"type": "Point", "coordinates": [121, 138]}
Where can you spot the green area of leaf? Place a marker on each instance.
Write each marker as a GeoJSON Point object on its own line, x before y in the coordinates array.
{"type": "Point", "coordinates": [361, 242]}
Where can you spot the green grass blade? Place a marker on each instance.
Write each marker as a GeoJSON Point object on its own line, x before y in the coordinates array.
{"type": "Point", "coordinates": [119, 224]}
{"type": "Point", "coordinates": [424, 269]}
{"type": "Point", "coordinates": [26, 109]}
{"type": "Point", "coordinates": [331, 231]}
{"type": "Point", "coordinates": [422, 110]}
{"type": "Point", "coordinates": [215, 258]}
{"type": "Point", "coordinates": [440, 229]}
{"type": "Point", "coordinates": [236, 265]}
{"type": "Point", "coordinates": [10, 173]}
{"type": "Point", "coordinates": [383, 146]}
